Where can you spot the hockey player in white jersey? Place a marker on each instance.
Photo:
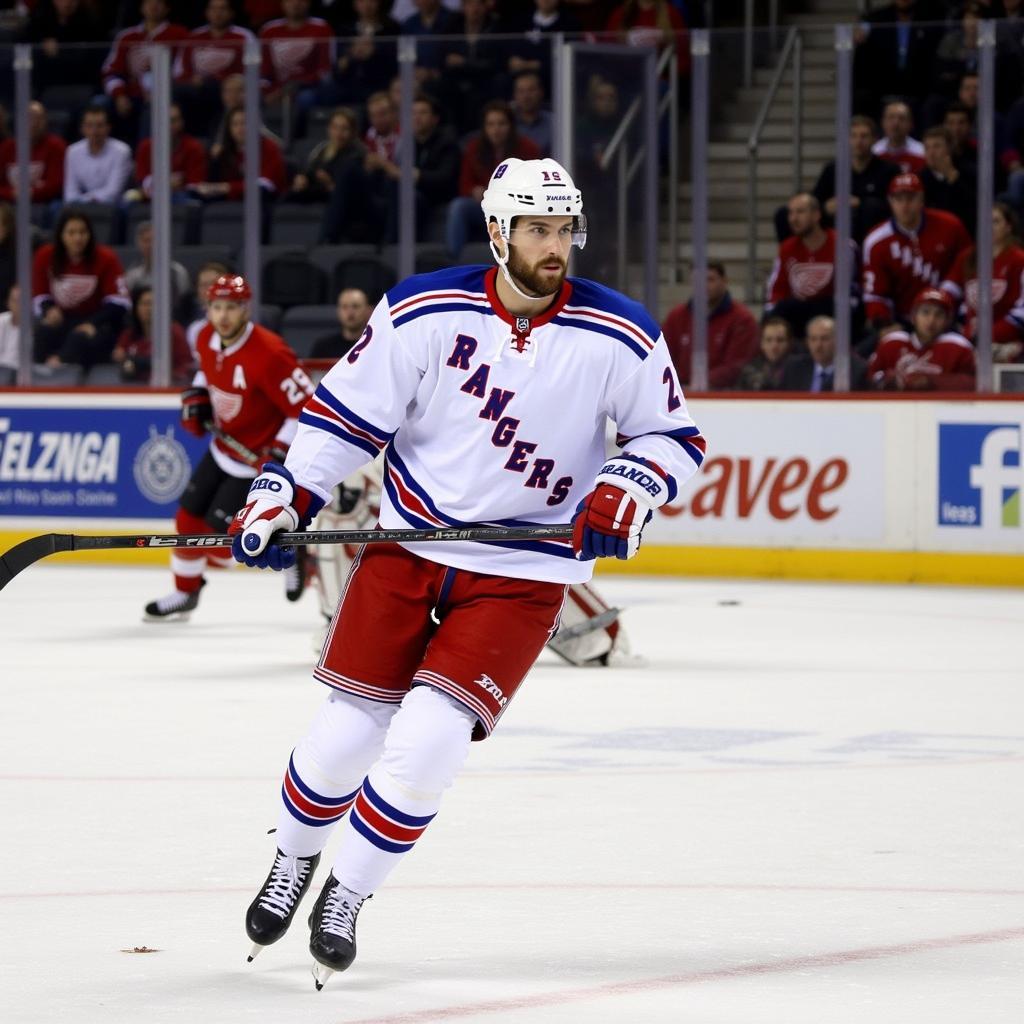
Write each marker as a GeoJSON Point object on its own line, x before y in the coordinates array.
{"type": "Point", "coordinates": [488, 389]}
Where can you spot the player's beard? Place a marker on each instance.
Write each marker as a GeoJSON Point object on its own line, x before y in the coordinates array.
{"type": "Point", "coordinates": [532, 279]}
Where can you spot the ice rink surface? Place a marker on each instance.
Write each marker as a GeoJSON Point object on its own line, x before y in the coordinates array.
{"type": "Point", "coordinates": [805, 809]}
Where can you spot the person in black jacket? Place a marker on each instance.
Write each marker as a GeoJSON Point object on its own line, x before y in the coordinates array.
{"type": "Point", "coordinates": [436, 164]}
{"type": "Point", "coordinates": [946, 186]}
{"type": "Point", "coordinates": [354, 311]}
{"type": "Point", "coordinates": [814, 370]}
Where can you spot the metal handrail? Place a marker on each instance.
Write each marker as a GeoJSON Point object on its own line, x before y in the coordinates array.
{"type": "Point", "coordinates": [792, 47]}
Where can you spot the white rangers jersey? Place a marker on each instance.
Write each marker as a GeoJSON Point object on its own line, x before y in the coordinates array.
{"type": "Point", "coordinates": [486, 418]}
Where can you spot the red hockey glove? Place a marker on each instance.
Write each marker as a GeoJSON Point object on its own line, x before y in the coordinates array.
{"type": "Point", "coordinates": [196, 409]}
{"type": "Point", "coordinates": [276, 451]}
{"type": "Point", "coordinates": [609, 520]}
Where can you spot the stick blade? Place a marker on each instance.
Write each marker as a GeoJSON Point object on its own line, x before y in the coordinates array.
{"type": "Point", "coordinates": [22, 555]}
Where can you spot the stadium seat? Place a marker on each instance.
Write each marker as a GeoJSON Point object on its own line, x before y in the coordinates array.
{"type": "Point", "coordinates": [8, 376]}
{"type": "Point", "coordinates": [270, 317]}
{"type": "Point", "coordinates": [105, 219]}
{"type": "Point", "coordinates": [192, 257]}
{"type": "Point", "coordinates": [291, 280]}
{"type": "Point", "coordinates": [302, 325]}
{"type": "Point", "coordinates": [64, 376]}
{"type": "Point", "coordinates": [372, 275]}
{"type": "Point", "coordinates": [185, 219]}
{"type": "Point", "coordinates": [70, 99]}
{"type": "Point", "coordinates": [297, 224]}
{"type": "Point", "coordinates": [224, 224]}
{"type": "Point", "coordinates": [107, 375]}
{"type": "Point", "coordinates": [327, 257]}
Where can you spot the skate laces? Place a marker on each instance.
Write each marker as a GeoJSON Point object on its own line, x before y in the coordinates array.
{"type": "Point", "coordinates": [174, 601]}
{"type": "Point", "coordinates": [286, 878]}
{"type": "Point", "coordinates": [340, 910]}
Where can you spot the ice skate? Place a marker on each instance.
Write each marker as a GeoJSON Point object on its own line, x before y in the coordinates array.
{"type": "Point", "coordinates": [175, 605]}
{"type": "Point", "coordinates": [332, 926]}
{"type": "Point", "coordinates": [270, 914]}
{"type": "Point", "coordinates": [295, 575]}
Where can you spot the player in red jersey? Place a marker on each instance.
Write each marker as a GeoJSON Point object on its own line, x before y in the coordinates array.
{"type": "Point", "coordinates": [929, 358]}
{"type": "Point", "coordinates": [1007, 282]}
{"type": "Point", "coordinates": [251, 388]}
{"type": "Point", "coordinates": [915, 249]}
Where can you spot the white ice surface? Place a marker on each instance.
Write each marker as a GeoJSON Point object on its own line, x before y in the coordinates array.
{"type": "Point", "coordinates": [806, 809]}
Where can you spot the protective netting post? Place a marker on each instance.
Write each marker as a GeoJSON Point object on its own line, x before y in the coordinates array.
{"type": "Point", "coordinates": [160, 213]}
{"type": "Point", "coordinates": [407, 154]}
{"type": "Point", "coordinates": [252, 207]}
{"type": "Point", "coordinates": [844, 255]}
{"type": "Point", "coordinates": [23, 209]}
{"type": "Point", "coordinates": [700, 55]}
{"type": "Point", "coordinates": [986, 168]}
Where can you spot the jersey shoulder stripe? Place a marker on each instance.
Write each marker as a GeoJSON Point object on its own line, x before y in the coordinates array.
{"type": "Point", "coordinates": [585, 324]}
{"type": "Point", "coordinates": [590, 297]}
{"type": "Point", "coordinates": [879, 234]}
{"type": "Point", "coordinates": [458, 279]}
{"type": "Point", "coordinates": [952, 338]}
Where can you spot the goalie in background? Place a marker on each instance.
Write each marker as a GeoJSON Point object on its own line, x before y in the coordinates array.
{"type": "Point", "coordinates": [590, 634]}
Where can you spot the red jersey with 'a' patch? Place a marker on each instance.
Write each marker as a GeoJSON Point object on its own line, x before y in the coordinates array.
{"type": "Point", "coordinates": [257, 390]}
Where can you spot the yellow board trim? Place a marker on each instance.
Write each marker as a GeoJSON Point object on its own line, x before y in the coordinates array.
{"type": "Point", "coordinates": [669, 560]}
{"type": "Point", "coordinates": [824, 564]}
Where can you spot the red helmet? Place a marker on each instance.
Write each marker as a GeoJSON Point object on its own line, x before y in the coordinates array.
{"type": "Point", "coordinates": [232, 287]}
{"type": "Point", "coordinates": [936, 297]}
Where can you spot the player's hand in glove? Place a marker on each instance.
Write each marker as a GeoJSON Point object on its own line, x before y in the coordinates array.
{"type": "Point", "coordinates": [275, 502]}
{"type": "Point", "coordinates": [276, 451]}
{"type": "Point", "coordinates": [196, 410]}
{"type": "Point", "coordinates": [609, 520]}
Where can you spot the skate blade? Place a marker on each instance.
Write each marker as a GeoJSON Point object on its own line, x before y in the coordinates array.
{"type": "Point", "coordinates": [254, 952]}
{"type": "Point", "coordinates": [320, 975]}
{"type": "Point", "coordinates": [173, 617]}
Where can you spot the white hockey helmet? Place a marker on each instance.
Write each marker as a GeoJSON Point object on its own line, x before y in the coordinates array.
{"type": "Point", "coordinates": [540, 187]}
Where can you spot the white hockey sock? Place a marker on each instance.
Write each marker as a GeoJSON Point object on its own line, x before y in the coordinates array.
{"type": "Point", "coordinates": [426, 745]}
{"type": "Point", "coordinates": [325, 770]}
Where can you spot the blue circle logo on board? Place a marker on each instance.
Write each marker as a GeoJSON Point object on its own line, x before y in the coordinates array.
{"type": "Point", "coordinates": [161, 467]}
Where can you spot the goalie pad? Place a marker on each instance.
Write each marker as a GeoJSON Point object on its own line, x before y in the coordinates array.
{"type": "Point", "coordinates": [589, 632]}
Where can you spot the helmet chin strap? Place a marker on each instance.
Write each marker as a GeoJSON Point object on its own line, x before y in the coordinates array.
{"type": "Point", "coordinates": [502, 262]}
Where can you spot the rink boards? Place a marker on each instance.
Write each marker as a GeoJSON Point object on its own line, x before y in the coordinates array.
{"type": "Point", "coordinates": [894, 489]}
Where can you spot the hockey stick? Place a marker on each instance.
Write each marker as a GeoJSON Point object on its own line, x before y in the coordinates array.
{"type": "Point", "coordinates": [245, 454]}
{"type": "Point", "coordinates": [601, 621]}
{"type": "Point", "coordinates": [30, 551]}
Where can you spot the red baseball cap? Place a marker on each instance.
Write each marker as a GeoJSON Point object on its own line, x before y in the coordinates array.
{"type": "Point", "coordinates": [937, 297]}
{"type": "Point", "coordinates": [905, 183]}
{"type": "Point", "coordinates": [232, 287]}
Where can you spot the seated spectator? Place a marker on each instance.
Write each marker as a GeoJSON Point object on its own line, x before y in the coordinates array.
{"type": "Point", "coordinates": [188, 162]}
{"type": "Point", "coordinates": [211, 54]}
{"type": "Point", "coordinates": [381, 138]}
{"type": "Point", "coordinates": [945, 186]}
{"type": "Point", "coordinates": [471, 67]}
{"type": "Point", "coordinates": [10, 338]}
{"type": "Point", "coordinates": [126, 71]}
{"type": "Point", "coordinates": [363, 65]}
{"type": "Point", "coordinates": [533, 120]}
{"type": "Point", "coordinates": [895, 53]}
{"type": "Point", "coordinates": [896, 143]}
{"type": "Point", "coordinates": [915, 249]}
{"type": "Point", "coordinates": [928, 357]}
{"type": "Point", "coordinates": [335, 174]}
{"type": "Point", "coordinates": [435, 169]}
{"type": "Point", "coordinates": [957, 52]}
{"type": "Point", "coordinates": [61, 30]}
{"type": "Point", "coordinates": [764, 371]}
{"type": "Point", "coordinates": [133, 351]}
{"type": "Point", "coordinates": [46, 161]}
{"type": "Point", "coordinates": [78, 295]}
{"type": "Point", "coordinates": [656, 23]}
{"type": "Point", "coordinates": [814, 370]}
{"type": "Point", "coordinates": [869, 182]}
{"type": "Point", "coordinates": [298, 55]}
{"type": "Point", "coordinates": [354, 311]}
{"type": "Point", "coordinates": [141, 274]}
{"type": "Point", "coordinates": [532, 51]}
{"type": "Point", "coordinates": [1007, 280]}
{"type": "Point", "coordinates": [227, 164]}
{"type": "Point", "coordinates": [431, 19]}
{"type": "Point", "coordinates": [959, 122]}
{"type": "Point", "coordinates": [497, 141]}
{"type": "Point", "coordinates": [732, 333]}
{"type": "Point", "coordinates": [205, 276]}
{"type": "Point", "coordinates": [97, 167]}
{"type": "Point", "coordinates": [803, 278]}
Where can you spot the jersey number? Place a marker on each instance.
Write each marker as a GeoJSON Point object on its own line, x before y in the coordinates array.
{"type": "Point", "coordinates": [363, 342]}
{"type": "Point", "coordinates": [297, 387]}
{"type": "Point", "coordinates": [673, 398]}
